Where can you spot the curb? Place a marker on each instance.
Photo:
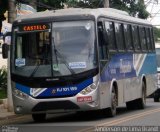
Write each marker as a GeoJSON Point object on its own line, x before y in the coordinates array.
{"type": "Point", "coordinates": [8, 117]}
{"type": "Point", "coordinates": [3, 103]}
{"type": "Point", "coordinates": [1, 107]}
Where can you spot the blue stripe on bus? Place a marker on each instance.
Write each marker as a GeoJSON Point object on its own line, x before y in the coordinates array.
{"type": "Point", "coordinates": [57, 91]}
{"type": "Point", "coordinates": [149, 65]}
{"type": "Point", "coordinates": [23, 88]}
{"type": "Point", "coordinates": [66, 91]}
{"type": "Point", "coordinates": [123, 66]}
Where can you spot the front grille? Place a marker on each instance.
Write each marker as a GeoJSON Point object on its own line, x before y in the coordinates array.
{"type": "Point", "coordinates": [65, 105]}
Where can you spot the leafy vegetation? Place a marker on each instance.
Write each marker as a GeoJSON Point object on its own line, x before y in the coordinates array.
{"type": "Point", "coordinates": [133, 7]}
{"type": "Point", "coordinates": [156, 33]}
{"type": "Point", "coordinates": [3, 94]}
{"type": "Point", "coordinates": [3, 82]}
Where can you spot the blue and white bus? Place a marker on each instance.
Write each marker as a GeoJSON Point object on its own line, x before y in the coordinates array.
{"type": "Point", "coordinates": [81, 60]}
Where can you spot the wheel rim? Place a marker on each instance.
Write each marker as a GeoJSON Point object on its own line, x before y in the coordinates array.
{"type": "Point", "coordinates": [144, 95]}
{"type": "Point", "coordinates": [114, 102]}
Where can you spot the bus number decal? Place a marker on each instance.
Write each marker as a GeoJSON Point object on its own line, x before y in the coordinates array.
{"type": "Point", "coordinates": [66, 89]}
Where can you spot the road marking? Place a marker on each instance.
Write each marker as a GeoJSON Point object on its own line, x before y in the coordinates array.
{"type": "Point", "coordinates": [121, 120]}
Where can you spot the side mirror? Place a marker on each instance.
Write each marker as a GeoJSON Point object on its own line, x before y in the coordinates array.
{"type": "Point", "coordinates": [5, 48]}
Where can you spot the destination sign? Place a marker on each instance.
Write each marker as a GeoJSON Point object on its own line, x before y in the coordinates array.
{"type": "Point", "coordinates": [35, 27]}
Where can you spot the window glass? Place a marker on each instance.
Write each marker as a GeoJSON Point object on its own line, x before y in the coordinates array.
{"type": "Point", "coordinates": [73, 47]}
{"type": "Point", "coordinates": [68, 49]}
{"type": "Point", "coordinates": [151, 38]}
{"type": "Point", "coordinates": [128, 36]}
{"type": "Point", "coordinates": [136, 37]}
{"type": "Point", "coordinates": [143, 38]}
{"type": "Point", "coordinates": [102, 43]}
{"type": "Point", "coordinates": [33, 53]}
{"type": "Point", "coordinates": [110, 34]}
{"type": "Point", "coordinates": [149, 44]}
{"type": "Point", "coordinates": [119, 36]}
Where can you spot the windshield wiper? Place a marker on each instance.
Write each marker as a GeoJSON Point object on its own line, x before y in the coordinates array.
{"type": "Point", "coordinates": [37, 66]}
{"type": "Point", "coordinates": [57, 53]}
{"type": "Point", "coordinates": [35, 70]}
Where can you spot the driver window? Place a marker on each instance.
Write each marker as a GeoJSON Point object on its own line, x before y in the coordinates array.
{"type": "Point", "coordinates": [102, 42]}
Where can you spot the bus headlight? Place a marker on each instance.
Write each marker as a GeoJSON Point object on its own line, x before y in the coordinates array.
{"type": "Point", "coordinates": [89, 89]}
{"type": "Point", "coordinates": [20, 94]}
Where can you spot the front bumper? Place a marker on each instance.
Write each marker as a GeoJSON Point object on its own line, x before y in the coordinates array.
{"type": "Point", "coordinates": [52, 105]}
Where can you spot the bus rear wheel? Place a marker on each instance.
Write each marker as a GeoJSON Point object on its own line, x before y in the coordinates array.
{"type": "Point", "coordinates": [156, 99]}
{"type": "Point", "coordinates": [39, 117]}
{"type": "Point", "coordinates": [141, 103]}
{"type": "Point", "coordinates": [138, 103]}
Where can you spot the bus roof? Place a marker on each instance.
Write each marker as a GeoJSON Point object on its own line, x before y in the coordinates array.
{"type": "Point", "coordinates": [107, 12]}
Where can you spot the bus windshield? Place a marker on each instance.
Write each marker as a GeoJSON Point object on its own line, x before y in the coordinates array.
{"type": "Point", "coordinates": [66, 48]}
{"type": "Point", "coordinates": [158, 56]}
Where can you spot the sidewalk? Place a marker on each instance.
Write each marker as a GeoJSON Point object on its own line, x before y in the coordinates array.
{"type": "Point", "coordinates": [4, 114]}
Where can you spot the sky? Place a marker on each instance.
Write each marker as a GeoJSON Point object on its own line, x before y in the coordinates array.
{"type": "Point", "coordinates": [154, 9]}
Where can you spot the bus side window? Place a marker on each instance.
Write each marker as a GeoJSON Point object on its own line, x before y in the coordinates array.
{"type": "Point", "coordinates": [143, 38]}
{"type": "Point", "coordinates": [109, 26]}
{"type": "Point", "coordinates": [128, 37]}
{"type": "Point", "coordinates": [148, 40]}
{"type": "Point", "coordinates": [119, 36]}
{"type": "Point", "coordinates": [151, 38]}
{"type": "Point", "coordinates": [102, 42]}
{"type": "Point", "coordinates": [135, 35]}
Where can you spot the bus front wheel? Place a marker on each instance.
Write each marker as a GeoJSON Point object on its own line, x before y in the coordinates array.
{"type": "Point", "coordinates": [39, 117]}
{"type": "Point", "coordinates": [111, 111]}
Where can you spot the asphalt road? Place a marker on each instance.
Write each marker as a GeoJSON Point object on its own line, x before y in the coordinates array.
{"type": "Point", "coordinates": [72, 122]}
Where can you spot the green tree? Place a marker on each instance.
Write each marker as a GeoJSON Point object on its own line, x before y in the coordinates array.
{"type": "Point", "coordinates": [133, 7]}
{"type": "Point", "coordinates": [50, 4]}
{"type": "Point", "coordinates": [156, 33]}
{"type": "Point", "coordinates": [42, 5]}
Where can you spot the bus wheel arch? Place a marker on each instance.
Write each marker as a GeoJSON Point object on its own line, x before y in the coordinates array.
{"type": "Point", "coordinates": [141, 102]}
{"type": "Point", "coordinates": [115, 87]}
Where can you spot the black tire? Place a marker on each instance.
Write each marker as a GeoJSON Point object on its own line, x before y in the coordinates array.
{"type": "Point", "coordinates": [138, 103]}
{"type": "Point", "coordinates": [111, 111]}
{"type": "Point", "coordinates": [39, 117]}
{"type": "Point", "coordinates": [156, 99]}
{"type": "Point", "coordinates": [141, 103]}
{"type": "Point", "coordinates": [131, 105]}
